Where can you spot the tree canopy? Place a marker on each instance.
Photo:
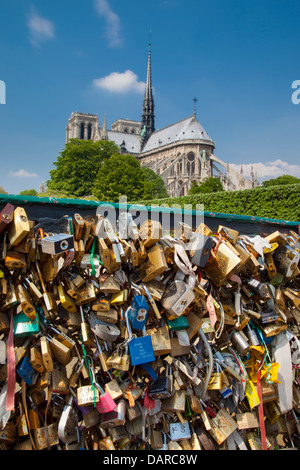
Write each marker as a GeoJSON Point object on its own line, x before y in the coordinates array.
{"type": "Point", "coordinates": [29, 192]}
{"type": "Point", "coordinates": [123, 175]}
{"type": "Point", "coordinates": [280, 180]}
{"type": "Point", "coordinates": [98, 169]}
{"type": "Point", "coordinates": [208, 185]}
{"type": "Point", "coordinates": [78, 164]}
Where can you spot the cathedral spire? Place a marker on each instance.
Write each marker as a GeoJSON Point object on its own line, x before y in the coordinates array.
{"type": "Point", "coordinates": [104, 133]}
{"type": "Point", "coordinates": [148, 105]}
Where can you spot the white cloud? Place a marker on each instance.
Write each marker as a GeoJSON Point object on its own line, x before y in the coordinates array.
{"type": "Point", "coordinates": [269, 170]}
{"type": "Point", "coordinates": [40, 29]}
{"type": "Point", "coordinates": [120, 82]}
{"type": "Point", "coordinates": [23, 174]}
{"type": "Point", "coordinates": [113, 23]}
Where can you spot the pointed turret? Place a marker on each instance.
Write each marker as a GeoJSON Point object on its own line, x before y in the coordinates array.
{"type": "Point", "coordinates": [104, 133]}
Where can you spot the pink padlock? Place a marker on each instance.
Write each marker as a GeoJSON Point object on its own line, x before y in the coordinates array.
{"type": "Point", "coordinates": [106, 404]}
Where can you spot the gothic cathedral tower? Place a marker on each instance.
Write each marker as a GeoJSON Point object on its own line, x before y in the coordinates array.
{"type": "Point", "coordinates": [147, 127]}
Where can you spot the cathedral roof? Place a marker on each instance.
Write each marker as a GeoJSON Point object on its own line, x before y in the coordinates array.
{"type": "Point", "coordinates": [187, 129]}
{"type": "Point", "coordinates": [132, 141]}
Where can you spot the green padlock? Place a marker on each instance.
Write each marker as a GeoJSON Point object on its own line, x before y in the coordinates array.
{"type": "Point", "coordinates": [180, 323]}
{"type": "Point", "coordinates": [23, 326]}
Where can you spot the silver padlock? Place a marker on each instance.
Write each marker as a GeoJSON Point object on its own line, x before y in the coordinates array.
{"type": "Point", "coordinates": [177, 297]}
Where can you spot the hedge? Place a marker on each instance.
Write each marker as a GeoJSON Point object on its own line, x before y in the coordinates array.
{"type": "Point", "coordinates": [274, 202]}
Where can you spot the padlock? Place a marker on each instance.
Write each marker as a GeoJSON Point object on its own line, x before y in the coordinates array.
{"type": "Point", "coordinates": [109, 285]}
{"type": "Point", "coordinates": [199, 249]}
{"type": "Point", "coordinates": [239, 342]}
{"type": "Point", "coordinates": [223, 264]}
{"type": "Point", "coordinates": [59, 379]}
{"type": "Point", "coordinates": [150, 233]}
{"type": "Point", "coordinates": [116, 417]}
{"type": "Point", "coordinates": [68, 423]}
{"type": "Point", "coordinates": [117, 434]}
{"type": "Point", "coordinates": [138, 312]}
{"type": "Point", "coordinates": [57, 244]}
{"type": "Point", "coordinates": [87, 395]}
{"type": "Point", "coordinates": [119, 360]}
{"type": "Point", "coordinates": [133, 412]}
{"type": "Point", "coordinates": [21, 422]}
{"type": "Point", "coordinates": [177, 298]}
{"type": "Point", "coordinates": [85, 330]}
{"type": "Point", "coordinates": [6, 216]}
{"type": "Point", "coordinates": [108, 316]}
{"type": "Point", "coordinates": [19, 227]}
{"type": "Point", "coordinates": [36, 359]}
{"type": "Point", "coordinates": [175, 403]}
{"type": "Point", "coordinates": [105, 331]}
{"type": "Point", "coordinates": [286, 260]}
{"type": "Point", "coordinates": [162, 387]}
{"type": "Point", "coordinates": [180, 431]}
{"type": "Point", "coordinates": [113, 388]}
{"type": "Point", "coordinates": [156, 439]}
{"type": "Point", "coordinates": [46, 436]}
{"type": "Point", "coordinates": [26, 371]}
{"type": "Point", "coordinates": [26, 302]}
{"type": "Point", "coordinates": [73, 379]}
{"type": "Point", "coordinates": [106, 403]}
{"type": "Point", "coordinates": [48, 297]}
{"type": "Point", "coordinates": [59, 351]}
{"type": "Point", "coordinates": [23, 327]}
{"type": "Point", "coordinates": [46, 354]}
{"type": "Point", "coordinates": [140, 348]}
{"type": "Point", "coordinates": [36, 294]}
{"type": "Point", "coordinates": [14, 260]}
{"type": "Point", "coordinates": [155, 264]}
{"type": "Point", "coordinates": [66, 301]}
{"type": "Point", "coordinates": [49, 268]}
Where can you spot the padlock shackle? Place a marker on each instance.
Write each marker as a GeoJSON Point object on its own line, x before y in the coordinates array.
{"type": "Point", "coordinates": [211, 362]}
{"type": "Point", "coordinates": [128, 323]}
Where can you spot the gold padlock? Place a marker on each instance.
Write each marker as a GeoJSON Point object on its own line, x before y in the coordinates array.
{"type": "Point", "coordinates": [19, 227]}
{"type": "Point", "coordinates": [26, 303]}
{"type": "Point", "coordinates": [155, 264]}
{"type": "Point", "coordinates": [15, 260]}
{"type": "Point", "coordinates": [66, 301]}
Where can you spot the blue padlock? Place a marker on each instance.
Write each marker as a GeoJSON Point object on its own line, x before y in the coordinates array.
{"type": "Point", "coordinates": [26, 371]}
{"type": "Point", "coordinates": [138, 312]}
{"type": "Point", "coordinates": [140, 348]}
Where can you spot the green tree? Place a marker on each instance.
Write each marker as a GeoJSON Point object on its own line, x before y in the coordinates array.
{"type": "Point", "coordinates": [122, 175]}
{"type": "Point", "coordinates": [284, 179]}
{"type": "Point", "coordinates": [208, 185]}
{"type": "Point", "coordinates": [29, 192]}
{"type": "Point", "coordinates": [78, 165]}
{"type": "Point", "coordinates": [154, 185]}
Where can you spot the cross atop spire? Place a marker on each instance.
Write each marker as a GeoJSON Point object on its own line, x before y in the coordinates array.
{"type": "Point", "coordinates": [195, 103]}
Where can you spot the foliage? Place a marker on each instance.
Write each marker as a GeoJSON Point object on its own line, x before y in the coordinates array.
{"type": "Point", "coordinates": [284, 179]}
{"type": "Point", "coordinates": [122, 175]}
{"type": "Point", "coordinates": [154, 185]}
{"type": "Point", "coordinates": [208, 185]}
{"type": "Point", "coordinates": [78, 165]}
{"type": "Point", "coordinates": [29, 192]}
{"type": "Point", "coordinates": [274, 202]}
{"type": "Point", "coordinates": [2, 190]}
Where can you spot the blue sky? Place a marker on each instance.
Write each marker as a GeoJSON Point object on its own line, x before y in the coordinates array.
{"type": "Point", "coordinates": [238, 58]}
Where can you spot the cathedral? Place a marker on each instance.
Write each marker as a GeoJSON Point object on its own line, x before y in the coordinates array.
{"type": "Point", "coordinates": [180, 153]}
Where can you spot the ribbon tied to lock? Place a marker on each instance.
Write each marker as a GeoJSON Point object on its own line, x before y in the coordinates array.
{"type": "Point", "coordinates": [181, 259]}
